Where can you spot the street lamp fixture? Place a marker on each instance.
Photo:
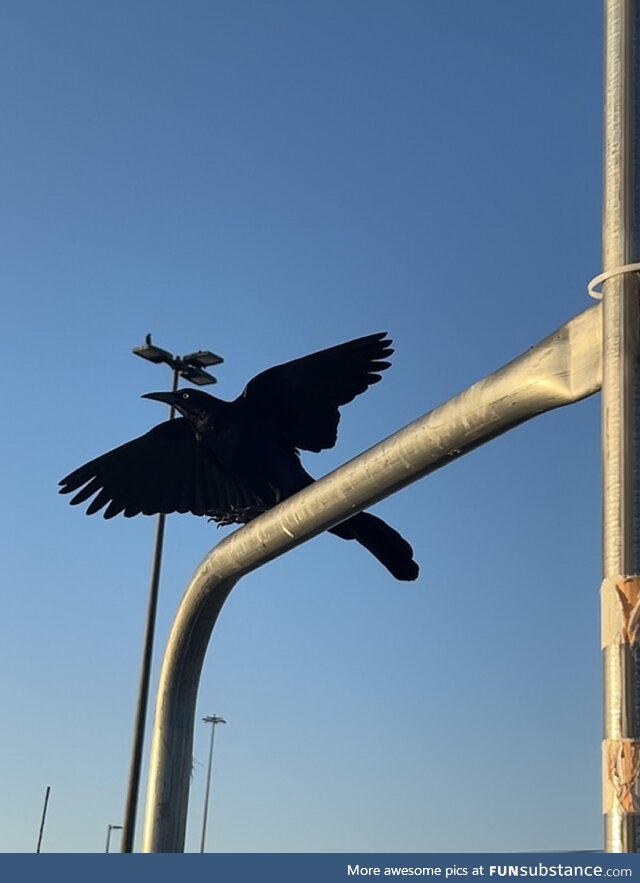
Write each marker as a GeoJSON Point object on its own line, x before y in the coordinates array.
{"type": "Point", "coordinates": [203, 358]}
{"type": "Point", "coordinates": [190, 367]}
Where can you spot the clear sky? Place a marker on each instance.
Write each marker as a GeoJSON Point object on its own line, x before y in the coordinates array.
{"type": "Point", "coordinates": [266, 179]}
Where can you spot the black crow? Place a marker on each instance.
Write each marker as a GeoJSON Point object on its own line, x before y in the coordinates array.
{"type": "Point", "coordinates": [231, 461]}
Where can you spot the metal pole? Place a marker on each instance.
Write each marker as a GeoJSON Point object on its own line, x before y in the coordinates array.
{"type": "Point", "coordinates": [133, 790]}
{"type": "Point", "coordinates": [44, 815]}
{"type": "Point", "coordinates": [213, 720]}
{"type": "Point", "coordinates": [620, 591]}
{"type": "Point", "coordinates": [563, 368]}
{"type": "Point", "coordinates": [111, 828]}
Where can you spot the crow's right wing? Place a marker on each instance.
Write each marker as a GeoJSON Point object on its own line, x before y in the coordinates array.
{"type": "Point", "coordinates": [300, 399]}
{"type": "Point", "coordinates": [162, 471]}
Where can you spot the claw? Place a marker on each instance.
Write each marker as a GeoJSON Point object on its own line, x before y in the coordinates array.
{"type": "Point", "coordinates": [235, 515]}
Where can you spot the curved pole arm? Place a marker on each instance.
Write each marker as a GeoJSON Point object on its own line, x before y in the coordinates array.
{"type": "Point", "coordinates": [564, 368]}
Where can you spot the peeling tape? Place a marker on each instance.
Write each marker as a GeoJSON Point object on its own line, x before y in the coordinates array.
{"type": "Point", "coordinates": [620, 774]}
{"type": "Point", "coordinates": [620, 600]}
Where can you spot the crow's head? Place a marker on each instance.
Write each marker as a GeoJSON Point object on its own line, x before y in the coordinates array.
{"type": "Point", "coordinates": [193, 404]}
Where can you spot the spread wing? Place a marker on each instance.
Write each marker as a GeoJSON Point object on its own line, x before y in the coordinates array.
{"type": "Point", "coordinates": [161, 471]}
{"type": "Point", "coordinates": [300, 399]}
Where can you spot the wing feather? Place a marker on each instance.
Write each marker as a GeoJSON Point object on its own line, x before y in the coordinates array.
{"type": "Point", "coordinates": [300, 399]}
{"type": "Point", "coordinates": [164, 470]}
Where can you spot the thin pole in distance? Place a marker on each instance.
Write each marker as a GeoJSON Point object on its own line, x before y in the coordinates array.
{"type": "Point", "coordinates": [213, 720]}
{"type": "Point", "coordinates": [44, 816]}
{"type": "Point", "coordinates": [111, 828]}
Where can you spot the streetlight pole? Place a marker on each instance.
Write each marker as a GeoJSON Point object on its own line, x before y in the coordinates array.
{"type": "Point", "coordinates": [190, 367]}
{"type": "Point", "coordinates": [213, 720]}
{"type": "Point", "coordinates": [44, 816]}
{"type": "Point", "coordinates": [111, 828]}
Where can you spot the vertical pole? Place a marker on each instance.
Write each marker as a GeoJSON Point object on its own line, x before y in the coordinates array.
{"type": "Point", "coordinates": [44, 816]}
{"type": "Point", "coordinates": [213, 720]}
{"type": "Point", "coordinates": [620, 593]}
{"type": "Point", "coordinates": [111, 828]}
{"type": "Point", "coordinates": [131, 806]}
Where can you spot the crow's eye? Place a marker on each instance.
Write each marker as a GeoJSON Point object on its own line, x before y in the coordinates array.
{"type": "Point", "coordinates": [185, 395]}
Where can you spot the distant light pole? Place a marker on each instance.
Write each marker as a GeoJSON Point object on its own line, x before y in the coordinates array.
{"type": "Point", "coordinates": [111, 828]}
{"type": "Point", "coordinates": [44, 816]}
{"type": "Point", "coordinates": [213, 720]}
{"type": "Point", "coordinates": [191, 368]}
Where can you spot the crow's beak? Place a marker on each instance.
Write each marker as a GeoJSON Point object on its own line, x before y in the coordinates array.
{"type": "Point", "coordinates": [167, 397]}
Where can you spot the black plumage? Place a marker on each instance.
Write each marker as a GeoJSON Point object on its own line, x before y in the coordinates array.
{"type": "Point", "coordinates": [231, 461]}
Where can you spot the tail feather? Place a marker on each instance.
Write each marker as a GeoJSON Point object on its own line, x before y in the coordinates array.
{"type": "Point", "coordinates": [385, 543]}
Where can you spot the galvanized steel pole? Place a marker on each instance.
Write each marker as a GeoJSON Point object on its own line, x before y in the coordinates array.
{"type": "Point", "coordinates": [563, 368]}
{"type": "Point", "coordinates": [620, 592]}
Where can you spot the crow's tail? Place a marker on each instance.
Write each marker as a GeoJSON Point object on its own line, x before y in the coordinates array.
{"type": "Point", "coordinates": [391, 550]}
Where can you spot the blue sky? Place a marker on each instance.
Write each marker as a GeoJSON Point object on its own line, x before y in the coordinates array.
{"type": "Point", "coordinates": [265, 180]}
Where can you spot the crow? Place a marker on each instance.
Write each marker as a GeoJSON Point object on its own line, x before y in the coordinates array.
{"type": "Point", "coordinates": [231, 461]}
